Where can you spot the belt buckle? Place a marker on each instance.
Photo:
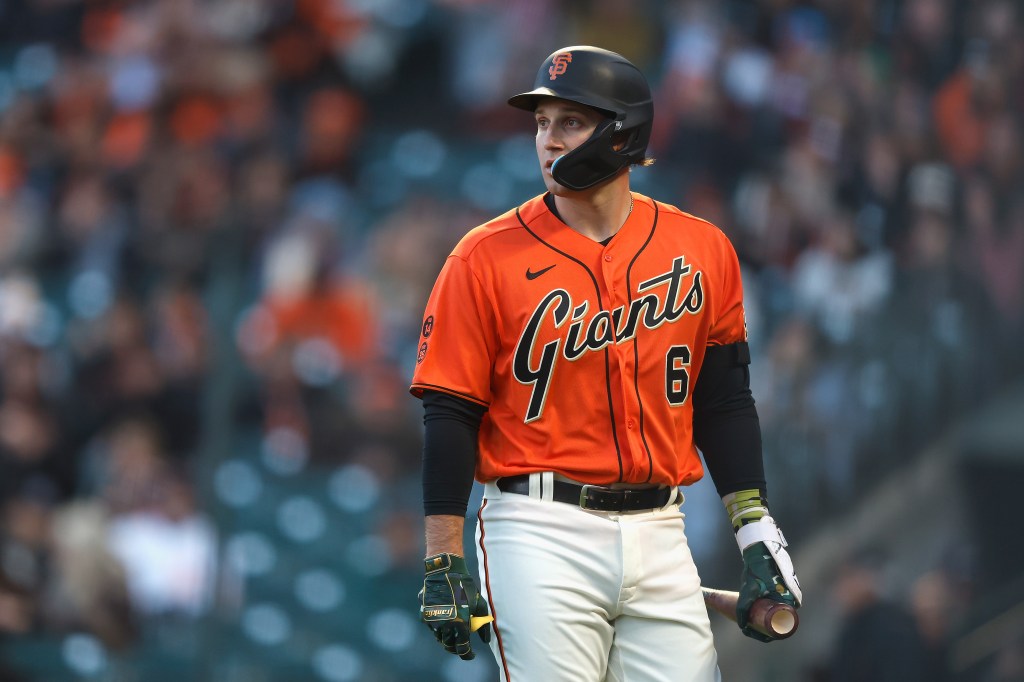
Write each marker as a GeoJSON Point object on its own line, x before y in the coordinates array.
{"type": "Point", "coordinates": [584, 495]}
{"type": "Point", "coordinates": [603, 504]}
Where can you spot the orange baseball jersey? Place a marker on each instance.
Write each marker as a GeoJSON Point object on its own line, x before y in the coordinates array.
{"type": "Point", "coordinates": [585, 355]}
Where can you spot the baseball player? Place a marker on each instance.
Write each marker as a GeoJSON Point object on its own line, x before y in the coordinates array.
{"type": "Point", "coordinates": [575, 354]}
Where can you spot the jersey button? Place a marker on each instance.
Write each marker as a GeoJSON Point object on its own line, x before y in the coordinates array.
{"type": "Point", "coordinates": [608, 257]}
{"type": "Point", "coordinates": [629, 423]}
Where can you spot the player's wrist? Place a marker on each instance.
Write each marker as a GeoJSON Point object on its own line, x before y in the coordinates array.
{"type": "Point", "coordinates": [443, 534]}
{"type": "Point", "coordinates": [745, 506]}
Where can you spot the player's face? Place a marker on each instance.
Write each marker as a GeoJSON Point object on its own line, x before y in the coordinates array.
{"type": "Point", "coordinates": [561, 127]}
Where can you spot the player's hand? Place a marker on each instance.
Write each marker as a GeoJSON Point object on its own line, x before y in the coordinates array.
{"type": "Point", "coordinates": [451, 606]}
{"type": "Point", "coordinates": [767, 572]}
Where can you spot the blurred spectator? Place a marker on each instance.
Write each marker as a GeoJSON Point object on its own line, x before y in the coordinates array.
{"type": "Point", "coordinates": [407, 249]}
{"type": "Point", "coordinates": [306, 298]}
{"type": "Point", "coordinates": [31, 447]}
{"type": "Point", "coordinates": [93, 229]}
{"type": "Point", "coordinates": [838, 283]}
{"type": "Point", "coordinates": [88, 589]}
{"type": "Point", "coordinates": [878, 639]}
{"type": "Point", "coordinates": [923, 43]}
{"type": "Point", "coordinates": [957, 107]}
{"type": "Point", "coordinates": [936, 606]}
{"type": "Point", "coordinates": [24, 552]}
{"type": "Point", "coordinates": [167, 549]}
{"type": "Point", "coordinates": [21, 213]}
{"type": "Point", "coordinates": [315, 327]}
{"type": "Point", "coordinates": [484, 56]}
{"type": "Point", "coordinates": [123, 466]}
{"type": "Point", "coordinates": [260, 193]}
{"type": "Point", "coordinates": [938, 297]}
{"type": "Point", "coordinates": [16, 610]}
{"type": "Point", "coordinates": [995, 229]}
{"type": "Point", "coordinates": [330, 127]}
{"type": "Point", "coordinates": [180, 338]}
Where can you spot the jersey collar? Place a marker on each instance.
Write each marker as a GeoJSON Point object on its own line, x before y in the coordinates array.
{"type": "Point", "coordinates": [548, 227]}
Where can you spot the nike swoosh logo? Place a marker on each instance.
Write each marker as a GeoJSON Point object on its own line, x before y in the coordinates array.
{"type": "Point", "coordinates": [534, 275]}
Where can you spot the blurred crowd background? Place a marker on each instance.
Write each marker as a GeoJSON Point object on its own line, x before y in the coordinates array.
{"type": "Point", "coordinates": [220, 221]}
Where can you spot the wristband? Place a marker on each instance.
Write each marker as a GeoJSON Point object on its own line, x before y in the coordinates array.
{"type": "Point", "coordinates": [745, 506]}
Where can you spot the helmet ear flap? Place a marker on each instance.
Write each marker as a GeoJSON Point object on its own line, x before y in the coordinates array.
{"type": "Point", "coordinates": [592, 162]}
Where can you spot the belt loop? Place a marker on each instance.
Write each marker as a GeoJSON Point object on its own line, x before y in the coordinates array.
{"type": "Point", "coordinates": [676, 494]}
{"type": "Point", "coordinates": [535, 485]}
{"type": "Point", "coordinates": [547, 486]}
{"type": "Point", "coordinates": [491, 490]}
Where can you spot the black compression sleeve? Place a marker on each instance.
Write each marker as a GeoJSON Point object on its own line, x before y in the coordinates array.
{"type": "Point", "coordinates": [725, 423]}
{"type": "Point", "coordinates": [451, 426]}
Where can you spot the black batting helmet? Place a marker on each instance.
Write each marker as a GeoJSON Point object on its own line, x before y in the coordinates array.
{"type": "Point", "coordinates": [609, 83]}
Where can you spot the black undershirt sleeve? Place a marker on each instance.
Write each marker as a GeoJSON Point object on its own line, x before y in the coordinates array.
{"type": "Point", "coordinates": [451, 425]}
{"type": "Point", "coordinates": [725, 423]}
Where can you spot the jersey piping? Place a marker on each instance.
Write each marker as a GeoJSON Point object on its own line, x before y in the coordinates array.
{"type": "Point", "coordinates": [636, 347]}
{"type": "Point", "coordinates": [600, 304]}
{"type": "Point", "coordinates": [495, 627]}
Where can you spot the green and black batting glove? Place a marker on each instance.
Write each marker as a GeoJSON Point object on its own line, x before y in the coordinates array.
{"type": "Point", "coordinates": [761, 577]}
{"type": "Point", "coordinates": [767, 568]}
{"type": "Point", "coordinates": [451, 606]}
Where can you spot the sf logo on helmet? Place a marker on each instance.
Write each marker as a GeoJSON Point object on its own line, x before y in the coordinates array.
{"type": "Point", "coordinates": [559, 64]}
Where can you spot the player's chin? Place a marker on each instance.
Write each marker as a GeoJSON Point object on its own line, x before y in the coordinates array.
{"type": "Point", "coordinates": [555, 188]}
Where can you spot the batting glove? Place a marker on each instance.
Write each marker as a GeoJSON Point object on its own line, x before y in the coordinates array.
{"type": "Point", "coordinates": [767, 572]}
{"type": "Point", "coordinates": [451, 606]}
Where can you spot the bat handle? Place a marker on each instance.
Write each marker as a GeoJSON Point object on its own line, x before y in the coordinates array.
{"type": "Point", "coordinates": [773, 619]}
{"type": "Point", "coordinates": [477, 622]}
{"type": "Point", "coordinates": [767, 616]}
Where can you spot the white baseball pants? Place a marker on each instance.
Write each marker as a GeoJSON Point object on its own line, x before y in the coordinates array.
{"type": "Point", "coordinates": [584, 596]}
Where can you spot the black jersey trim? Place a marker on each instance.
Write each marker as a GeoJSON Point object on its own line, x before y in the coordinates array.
{"type": "Point", "coordinates": [600, 305]}
{"type": "Point", "coordinates": [420, 386]}
{"type": "Point", "coordinates": [636, 347]}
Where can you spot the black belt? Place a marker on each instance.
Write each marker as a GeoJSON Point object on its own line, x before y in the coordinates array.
{"type": "Point", "coordinates": [594, 497]}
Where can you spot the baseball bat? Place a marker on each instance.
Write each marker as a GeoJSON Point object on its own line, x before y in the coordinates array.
{"type": "Point", "coordinates": [477, 622]}
{"type": "Point", "coordinates": [770, 618]}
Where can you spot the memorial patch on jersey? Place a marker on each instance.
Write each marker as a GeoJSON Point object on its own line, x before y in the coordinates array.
{"type": "Point", "coordinates": [428, 326]}
{"type": "Point", "coordinates": [422, 353]}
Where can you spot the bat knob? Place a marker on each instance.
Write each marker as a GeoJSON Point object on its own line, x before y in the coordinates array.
{"type": "Point", "coordinates": [477, 622]}
{"type": "Point", "coordinates": [774, 619]}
